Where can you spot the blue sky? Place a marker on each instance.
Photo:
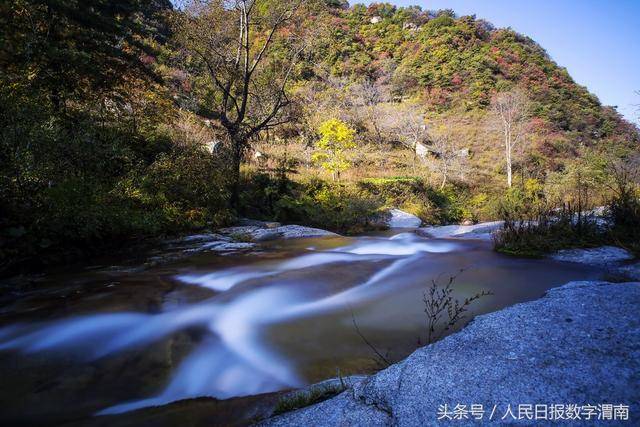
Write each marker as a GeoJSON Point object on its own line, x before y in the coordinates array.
{"type": "Point", "coordinates": [598, 41]}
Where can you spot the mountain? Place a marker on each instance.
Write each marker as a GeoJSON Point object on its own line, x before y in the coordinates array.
{"type": "Point", "coordinates": [456, 63]}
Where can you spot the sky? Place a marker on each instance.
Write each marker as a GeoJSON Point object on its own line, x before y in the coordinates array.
{"type": "Point", "coordinates": [597, 41]}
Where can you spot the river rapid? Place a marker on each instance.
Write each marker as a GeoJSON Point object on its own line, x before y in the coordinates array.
{"type": "Point", "coordinates": [105, 339]}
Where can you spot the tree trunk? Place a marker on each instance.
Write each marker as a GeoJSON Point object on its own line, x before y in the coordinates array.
{"type": "Point", "coordinates": [507, 147]}
{"type": "Point", "coordinates": [445, 172]}
{"type": "Point", "coordinates": [238, 146]}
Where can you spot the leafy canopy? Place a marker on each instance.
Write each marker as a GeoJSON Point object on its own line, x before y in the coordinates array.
{"type": "Point", "coordinates": [336, 137]}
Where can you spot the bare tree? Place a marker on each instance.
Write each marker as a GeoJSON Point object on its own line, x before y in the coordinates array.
{"type": "Point", "coordinates": [367, 97]}
{"type": "Point", "coordinates": [407, 125]}
{"type": "Point", "coordinates": [446, 157]}
{"type": "Point", "coordinates": [232, 43]}
{"type": "Point", "coordinates": [510, 109]}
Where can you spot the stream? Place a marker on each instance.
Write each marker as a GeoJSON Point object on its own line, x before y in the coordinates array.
{"type": "Point", "coordinates": [110, 338]}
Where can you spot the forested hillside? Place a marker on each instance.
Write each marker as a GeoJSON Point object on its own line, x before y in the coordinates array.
{"type": "Point", "coordinates": [147, 118]}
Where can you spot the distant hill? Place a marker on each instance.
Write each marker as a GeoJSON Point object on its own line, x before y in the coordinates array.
{"type": "Point", "coordinates": [452, 63]}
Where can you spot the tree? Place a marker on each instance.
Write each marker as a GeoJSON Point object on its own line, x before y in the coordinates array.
{"type": "Point", "coordinates": [74, 50]}
{"type": "Point", "coordinates": [447, 156]}
{"type": "Point", "coordinates": [336, 138]}
{"type": "Point", "coordinates": [367, 97]}
{"type": "Point", "coordinates": [510, 109]}
{"type": "Point", "coordinates": [407, 125]}
{"type": "Point", "coordinates": [245, 54]}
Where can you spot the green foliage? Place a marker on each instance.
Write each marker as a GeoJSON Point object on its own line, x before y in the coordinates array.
{"type": "Point", "coordinates": [535, 226]}
{"type": "Point", "coordinates": [450, 204]}
{"type": "Point", "coordinates": [451, 62]}
{"type": "Point", "coordinates": [338, 207]}
{"type": "Point", "coordinates": [92, 150]}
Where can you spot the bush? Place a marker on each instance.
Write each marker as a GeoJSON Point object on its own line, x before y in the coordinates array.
{"type": "Point", "coordinates": [624, 210]}
{"type": "Point", "coordinates": [412, 195]}
{"type": "Point", "coordinates": [546, 231]}
{"type": "Point", "coordinates": [534, 226]}
{"type": "Point", "coordinates": [338, 207]}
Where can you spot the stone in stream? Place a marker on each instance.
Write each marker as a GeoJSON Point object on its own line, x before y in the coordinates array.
{"type": "Point", "coordinates": [604, 255]}
{"type": "Point", "coordinates": [255, 233]}
{"type": "Point", "coordinates": [402, 219]}
{"type": "Point", "coordinates": [578, 345]}
{"type": "Point", "coordinates": [480, 231]}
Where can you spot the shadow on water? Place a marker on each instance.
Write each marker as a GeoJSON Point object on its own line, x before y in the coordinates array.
{"type": "Point", "coordinates": [108, 341]}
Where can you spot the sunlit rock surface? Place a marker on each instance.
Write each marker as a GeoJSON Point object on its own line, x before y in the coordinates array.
{"type": "Point", "coordinates": [481, 231]}
{"type": "Point", "coordinates": [580, 344]}
{"type": "Point", "coordinates": [402, 219]}
{"type": "Point", "coordinates": [604, 255]}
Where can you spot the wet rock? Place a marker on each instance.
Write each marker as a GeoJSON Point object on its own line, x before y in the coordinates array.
{"type": "Point", "coordinates": [297, 231]}
{"type": "Point", "coordinates": [402, 219]}
{"type": "Point", "coordinates": [253, 233]}
{"type": "Point", "coordinates": [604, 255]}
{"type": "Point", "coordinates": [580, 344]}
{"type": "Point", "coordinates": [480, 231]}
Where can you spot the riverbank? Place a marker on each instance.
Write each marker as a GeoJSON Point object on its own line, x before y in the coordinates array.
{"type": "Point", "coordinates": [576, 346]}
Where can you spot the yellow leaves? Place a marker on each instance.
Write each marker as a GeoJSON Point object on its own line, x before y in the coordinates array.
{"type": "Point", "coordinates": [335, 138]}
{"type": "Point", "coordinates": [336, 135]}
{"type": "Point", "coordinates": [533, 188]}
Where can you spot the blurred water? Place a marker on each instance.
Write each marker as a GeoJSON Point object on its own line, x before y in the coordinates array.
{"type": "Point", "coordinates": [283, 318]}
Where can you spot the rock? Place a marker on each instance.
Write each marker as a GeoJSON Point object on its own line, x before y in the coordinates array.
{"type": "Point", "coordinates": [630, 271]}
{"type": "Point", "coordinates": [480, 231]}
{"type": "Point", "coordinates": [195, 238]}
{"type": "Point", "coordinates": [402, 219]}
{"type": "Point", "coordinates": [225, 246]}
{"type": "Point", "coordinates": [580, 344]}
{"type": "Point", "coordinates": [258, 223]}
{"type": "Point", "coordinates": [259, 234]}
{"type": "Point", "coordinates": [239, 230]}
{"type": "Point", "coordinates": [604, 255]}
{"type": "Point", "coordinates": [264, 235]}
{"type": "Point", "coordinates": [297, 231]}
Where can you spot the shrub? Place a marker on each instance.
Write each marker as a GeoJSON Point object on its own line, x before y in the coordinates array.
{"type": "Point", "coordinates": [433, 206]}
{"type": "Point", "coordinates": [623, 209]}
{"type": "Point", "coordinates": [535, 226]}
{"type": "Point", "coordinates": [337, 207]}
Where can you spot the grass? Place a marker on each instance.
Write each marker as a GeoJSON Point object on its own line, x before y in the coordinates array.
{"type": "Point", "coordinates": [302, 399]}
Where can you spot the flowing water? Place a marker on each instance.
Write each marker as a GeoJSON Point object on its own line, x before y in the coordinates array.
{"type": "Point", "coordinates": [98, 340]}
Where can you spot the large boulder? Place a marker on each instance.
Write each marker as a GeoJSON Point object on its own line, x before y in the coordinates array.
{"type": "Point", "coordinates": [579, 345]}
